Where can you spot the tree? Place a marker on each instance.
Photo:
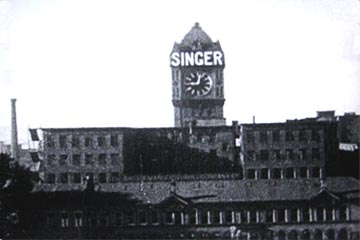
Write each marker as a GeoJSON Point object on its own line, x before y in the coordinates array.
{"type": "Point", "coordinates": [14, 180]}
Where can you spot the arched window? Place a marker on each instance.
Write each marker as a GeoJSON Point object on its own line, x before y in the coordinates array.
{"type": "Point", "coordinates": [305, 234]}
{"type": "Point", "coordinates": [293, 235]}
{"type": "Point", "coordinates": [330, 234]}
{"type": "Point", "coordinates": [343, 235]}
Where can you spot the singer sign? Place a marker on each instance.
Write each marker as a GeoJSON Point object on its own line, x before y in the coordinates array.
{"type": "Point", "coordinates": [199, 58]}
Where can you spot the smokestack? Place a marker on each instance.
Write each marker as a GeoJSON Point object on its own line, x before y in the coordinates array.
{"type": "Point", "coordinates": [14, 137]}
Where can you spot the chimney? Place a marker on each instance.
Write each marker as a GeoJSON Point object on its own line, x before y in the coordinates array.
{"type": "Point", "coordinates": [14, 137]}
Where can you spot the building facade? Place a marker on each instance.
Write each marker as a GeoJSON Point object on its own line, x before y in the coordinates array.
{"type": "Point", "coordinates": [200, 179]}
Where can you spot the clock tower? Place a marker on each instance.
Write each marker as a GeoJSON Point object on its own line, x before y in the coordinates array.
{"type": "Point", "coordinates": [197, 65]}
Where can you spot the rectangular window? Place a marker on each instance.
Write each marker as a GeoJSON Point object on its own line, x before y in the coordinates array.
{"type": "Point", "coordinates": [50, 143]}
{"type": "Point", "coordinates": [250, 137]}
{"type": "Point", "coordinates": [243, 216]}
{"type": "Point", "coordinates": [252, 216]}
{"type": "Point", "coordinates": [170, 217]}
{"type": "Point", "coordinates": [155, 217]}
{"type": "Point", "coordinates": [264, 155]}
{"type": "Point", "coordinates": [114, 158]}
{"type": "Point", "coordinates": [76, 159]}
{"type": "Point", "coordinates": [269, 215]}
{"type": "Point", "coordinates": [320, 214]}
{"type": "Point", "coordinates": [130, 218]}
{"type": "Point", "coordinates": [76, 178]}
{"type": "Point", "coordinates": [264, 173]}
{"type": "Point", "coordinates": [289, 135]}
{"type": "Point", "coordinates": [51, 159]}
{"type": "Point", "coordinates": [64, 220]}
{"type": "Point", "coordinates": [88, 159]}
{"type": "Point", "coordinates": [192, 217]}
{"type": "Point", "coordinates": [118, 219]}
{"type": "Point", "coordinates": [289, 173]}
{"type": "Point", "coordinates": [251, 173]}
{"type": "Point", "coordinates": [302, 135]}
{"type": "Point", "coordinates": [306, 215]}
{"type": "Point", "coordinates": [204, 217]}
{"type": "Point", "coordinates": [343, 213]}
{"type": "Point", "coordinates": [303, 154]}
{"type": "Point", "coordinates": [101, 141]}
{"type": "Point", "coordinates": [102, 159]}
{"type": "Point", "coordinates": [263, 137]}
{"type": "Point", "coordinates": [88, 141]}
{"type": "Point", "coordinates": [251, 155]}
{"type": "Point", "coordinates": [289, 154]}
{"type": "Point", "coordinates": [281, 215]}
{"type": "Point", "coordinates": [102, 220]}
{"type": "Point", "coordinates": [276, 154]}
{"type": "Point", "coordinates": [276, 136]}
{"type": "Point", "coordinates": [64, 178]}
{"type": "Point", "coordinates": [216, 217]}
{"type": "Point", "coordinates": [78, 219]}
{"type": "Point", "coordinates": [315, 154]}
{"type": "Point", "coordinates": [114, 177]}
{"type": "Point", "coordinates": [276, 173]}
{"type": "Point", "coordinates": [63, 159]}
{"type": "Point", "coordinates": [303, 172]}
{"type": "Point", "coordinates": [293, 215]}
{"type": "Point", "coordinates": [316, 172]}
{"type": "Point", "coordinates": [229, 216]}
{"type": "Point", "coordinates": [315, 135]}
{"type": "Point", "coordinates": [75, 141]}
{"type": "Point", "coordinates": [62, 141]}
{"type": "Point", "coordinates": [50, 178]}
{"type": "Point", "coordinates": [143, 220]}
{"type": "Point", "coordinates": [114, 142]}
{"type": "Point", "coordinates": [102, 177]}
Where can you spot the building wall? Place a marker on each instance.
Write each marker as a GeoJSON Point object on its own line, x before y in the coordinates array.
{"type": "Point", "coordinates": [283, 150]}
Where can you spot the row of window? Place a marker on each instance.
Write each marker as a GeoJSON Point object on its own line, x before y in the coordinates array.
{"type": "Point", "coordinates": [283, 173]}
{"type": "Point", "coordinates": [83, 159]}
{"type": "Point", "coordinates": [203, 217]}
{"type": "Point", "coordinates": [66, 178]}
{"type": "Point", "coordinates": [275, 136]}
{"type": "Point", "coordinates": [287, 154]}
{"type": "Point", "coordinates": [75, 141]}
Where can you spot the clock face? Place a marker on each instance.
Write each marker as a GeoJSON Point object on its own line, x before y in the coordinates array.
{"type": "Point", "coordinates": [198, 84]}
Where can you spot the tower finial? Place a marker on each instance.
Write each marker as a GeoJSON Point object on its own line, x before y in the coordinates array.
{"type": "Point", "coordinates": [197, 25]}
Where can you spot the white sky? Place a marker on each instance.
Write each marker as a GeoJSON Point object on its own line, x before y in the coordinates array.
{"type": "Point", "coordinates": [88, 63]}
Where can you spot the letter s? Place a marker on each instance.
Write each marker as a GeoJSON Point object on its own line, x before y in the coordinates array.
{"type": "Point", "coordinates": [174, 59]}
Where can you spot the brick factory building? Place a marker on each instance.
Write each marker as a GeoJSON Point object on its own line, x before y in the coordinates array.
{"type": "Point", "coordinates": [200, 179]}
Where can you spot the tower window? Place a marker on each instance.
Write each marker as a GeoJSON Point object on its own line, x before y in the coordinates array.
{"type": "Point", "coordinates": [88, 159]}
{"type": "Point", "coordinates": [303, 172]}
{"type": "Point", "coordinates": [290, 173]}
{"type": "Point", "coordinates": [315, 135]}
{"type": "Point", "coordinates": [302, 135]}
{"type": "Point", "coordinates": [276, 154]}
{"type": "Point", "coordinates": [250, 137]}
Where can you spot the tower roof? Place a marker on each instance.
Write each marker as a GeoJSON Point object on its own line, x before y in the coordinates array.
{"type": "Point", "coordinates": [196, 35]}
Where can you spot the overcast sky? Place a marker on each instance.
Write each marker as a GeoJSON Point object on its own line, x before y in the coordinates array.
{"type": "Point", "coordinates": [88, 63]}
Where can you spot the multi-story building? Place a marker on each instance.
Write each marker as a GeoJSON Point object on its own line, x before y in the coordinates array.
{"type": "Point", "coordinates": [200, 179]}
